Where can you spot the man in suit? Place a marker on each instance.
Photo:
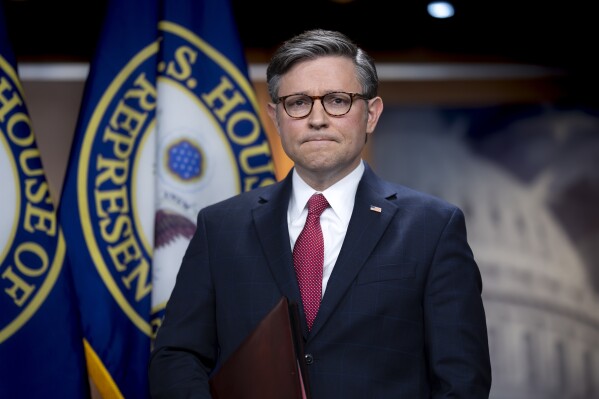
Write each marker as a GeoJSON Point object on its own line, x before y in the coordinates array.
{"type": "Point", "coordinates": [400, 315]}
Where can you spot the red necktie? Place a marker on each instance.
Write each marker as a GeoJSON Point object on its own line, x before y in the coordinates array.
{"type": "Point", "coordinates": [308, 258]}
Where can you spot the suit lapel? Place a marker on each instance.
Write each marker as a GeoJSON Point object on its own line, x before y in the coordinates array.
{"type": "Point", "coordinates": [270, 220]}
{"type": "Point", "coordinates": [373, 211]}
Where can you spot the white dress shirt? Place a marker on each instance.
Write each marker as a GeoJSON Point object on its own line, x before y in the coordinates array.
{"type": "Point", "coordinates": [333, 221]}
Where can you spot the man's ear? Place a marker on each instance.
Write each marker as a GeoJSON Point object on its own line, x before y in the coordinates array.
{"type": "Point", "coordinates": [375, 109]}
{"type": "Point", "coordinates": [271, 109]}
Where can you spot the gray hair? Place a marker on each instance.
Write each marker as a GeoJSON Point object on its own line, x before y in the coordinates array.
{"type": "Point", "coordinates": [316, 43]}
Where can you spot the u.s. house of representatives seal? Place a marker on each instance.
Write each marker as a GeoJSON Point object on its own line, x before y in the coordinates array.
{"type": "Point", "coordinates": [155, 152]}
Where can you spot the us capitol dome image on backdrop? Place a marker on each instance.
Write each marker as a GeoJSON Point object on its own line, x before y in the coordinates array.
{"type": "Point", "coordinates": [542, 311]}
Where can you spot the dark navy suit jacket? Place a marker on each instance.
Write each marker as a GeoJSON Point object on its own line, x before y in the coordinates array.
{"type": "Point", "coordinates": [402, 315]}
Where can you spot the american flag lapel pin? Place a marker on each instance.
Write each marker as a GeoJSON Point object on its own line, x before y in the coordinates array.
{"type": "Point", "coordinates": [375, 208]}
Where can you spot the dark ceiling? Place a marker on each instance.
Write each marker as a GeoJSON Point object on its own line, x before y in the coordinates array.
{"type": "Point", "coordinates": [555, 33]}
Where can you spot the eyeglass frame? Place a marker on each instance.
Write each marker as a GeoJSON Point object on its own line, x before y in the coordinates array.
{"type": "Point", "coordinates": [282, 99]}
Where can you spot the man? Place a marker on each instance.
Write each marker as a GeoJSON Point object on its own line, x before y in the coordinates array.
{"type": "Point", "coordinates": [400, 315]}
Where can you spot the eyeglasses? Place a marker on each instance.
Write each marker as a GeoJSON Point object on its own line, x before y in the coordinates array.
{"type": "Point", "coordinates": [337, 103]}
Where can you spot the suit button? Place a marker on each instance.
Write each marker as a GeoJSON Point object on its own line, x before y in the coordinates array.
{"type": "Point", "coordinates": [309, 358]}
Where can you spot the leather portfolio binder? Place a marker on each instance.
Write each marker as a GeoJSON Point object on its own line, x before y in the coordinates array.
{"type": "Point", "coordinates": [269, 363]}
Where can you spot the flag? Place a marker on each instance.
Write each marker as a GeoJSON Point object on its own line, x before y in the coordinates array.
{"type": "Point", "coordinates": [168, 125]}
{"type": "Point", "coordinates": [41, 345]}
{"type": "Point", "coordinates": [211, 143]}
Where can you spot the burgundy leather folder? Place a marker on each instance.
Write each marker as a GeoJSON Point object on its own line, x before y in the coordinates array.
{"type": "Point", "coordinates": [269, 364]}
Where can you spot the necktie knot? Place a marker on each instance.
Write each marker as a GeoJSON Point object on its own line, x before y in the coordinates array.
{"type": "Point", "coordinates": [317, 204]}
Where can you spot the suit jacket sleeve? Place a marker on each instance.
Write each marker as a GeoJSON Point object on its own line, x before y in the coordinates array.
{"type": "Point", "coordinates": [185, 347]}
{"type": "Point", "coordinates": [455, 322]}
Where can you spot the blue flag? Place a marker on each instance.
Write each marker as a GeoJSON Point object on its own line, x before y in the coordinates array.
{"type": "Point", "coordinates": [41, 342]}
{"type": "Point", "coordinates": [168, 125]}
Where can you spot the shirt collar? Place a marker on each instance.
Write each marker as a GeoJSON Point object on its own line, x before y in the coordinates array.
{"type": "Point", "coordinates": [341, 195]}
